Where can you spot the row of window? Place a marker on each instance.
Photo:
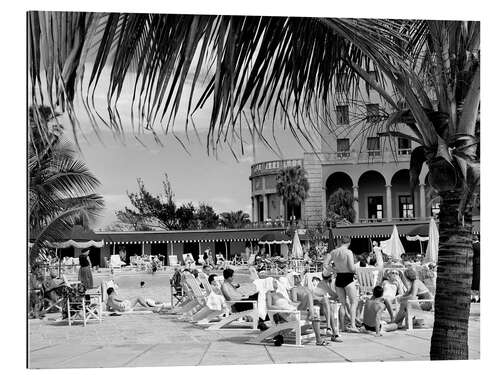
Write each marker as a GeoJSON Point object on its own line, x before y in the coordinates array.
{"type": "Point", "coordinates": [372, 145]}
{"type": "Point", "coordinates": [372, 113]}
{"type": "Point", "coordinates": [406, 207]}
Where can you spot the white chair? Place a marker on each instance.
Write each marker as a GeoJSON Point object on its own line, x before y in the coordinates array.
{"type": "Point", "coordinates": [115, 263]}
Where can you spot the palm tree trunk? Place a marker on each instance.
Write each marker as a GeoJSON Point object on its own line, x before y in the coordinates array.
{"type": "Point", "coordinates": [454, 277]}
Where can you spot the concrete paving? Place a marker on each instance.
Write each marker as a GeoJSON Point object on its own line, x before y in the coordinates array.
{"type": "Point", "coordinates": [162, 340]}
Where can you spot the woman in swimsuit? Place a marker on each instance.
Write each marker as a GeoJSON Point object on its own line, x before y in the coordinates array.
{"type": "Point", "coordinates": [416, 291]}
{"type": "Point", "coordinates": [343, 260]}
{"type": "Point", "coordinates": [391, 285]}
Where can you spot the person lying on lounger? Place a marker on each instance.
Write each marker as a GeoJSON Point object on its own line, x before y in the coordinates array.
{"type": "Point", "coordinates": [114, 303]}
{"type": "Point", "coordinates": [215, 306]}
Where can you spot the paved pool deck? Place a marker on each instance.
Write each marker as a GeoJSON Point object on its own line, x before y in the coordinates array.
{"type": "Point", "coordinates": [148, 340]}
{"type": "Point", "coordinates": [161, 340]}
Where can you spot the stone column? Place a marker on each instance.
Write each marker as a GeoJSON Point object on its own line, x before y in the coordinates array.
{"type": "Point", "coordinates": [266, 208]}
{"type": "Point", "coordinates": [355, 194]}
{"type": "Point", "coordinates": [422, 201]}
{"type": "Point", "coordinates": [254, 208]}
{"type": "Point", "coordinates": [388, 198]}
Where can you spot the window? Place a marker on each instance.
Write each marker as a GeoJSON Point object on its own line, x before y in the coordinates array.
{"type": "Point", "coordinates": [343, 148]}
{"type": "Point", "coordinates": [404, 146]}
{"type": "Point", "coordinates": [435, 209]}
{"type": "Point", "coordinates": [372, 112]}
{"type": "Point", "coordinates": [342, 114]}
{"type": "Point", "coordinates": [406, 209]}
{"type": "Point", "coordinates": [373, 146]}
{"type": "Point", "coordinates": [341, 83]}
{"type": "Point", "coordinates": [375, 208]}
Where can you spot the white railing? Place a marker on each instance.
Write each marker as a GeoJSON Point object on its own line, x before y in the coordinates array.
{"type": "Point", "coordinates": [275, 165]}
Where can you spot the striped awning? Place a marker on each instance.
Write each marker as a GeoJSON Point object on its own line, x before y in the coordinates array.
{"type": "Point", "coordinates": [379, 230]}
{"type": "Point", "coordinates": [187, 236]}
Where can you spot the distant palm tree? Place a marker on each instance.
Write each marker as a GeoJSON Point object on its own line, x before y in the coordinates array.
{"type": "Point", "coordinates": [340, 206]}
{"type": "Point", "coordinates": [292, 186]}
{"type": "Point", "coordinates": [234, 219]}
{"type": "Point", "coordinates": [60, 189]}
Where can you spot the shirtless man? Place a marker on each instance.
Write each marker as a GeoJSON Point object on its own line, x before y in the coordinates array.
{"type": "Point", "coordinates": [343, 259]}
{"type": "Point", "coordinates": [305, 299]}
{"type": "Point", "coordinates": [323, 294]}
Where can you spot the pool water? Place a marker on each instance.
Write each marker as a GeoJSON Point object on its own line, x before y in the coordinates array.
{"type": "Point", "coordinates": [157, 286]}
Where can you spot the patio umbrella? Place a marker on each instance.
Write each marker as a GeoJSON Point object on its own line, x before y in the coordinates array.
{"type": "Point", "coordinates": [431, 254]}
{"type": "Point", "coordinates": [297, 251]}
{"type": "Point", "coordinates": [393, 245]}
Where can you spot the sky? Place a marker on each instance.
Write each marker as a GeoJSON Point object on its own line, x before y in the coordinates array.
{"type": "Point", "coordinates": [221, 181]}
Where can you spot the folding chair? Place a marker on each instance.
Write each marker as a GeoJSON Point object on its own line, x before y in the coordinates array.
{"type": "Point", "coordinates": [293, 331]}
{"type": "Point", "coordinates": [85, 308]}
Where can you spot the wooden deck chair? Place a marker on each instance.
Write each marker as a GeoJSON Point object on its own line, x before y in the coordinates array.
{"type": "Point", "coordinates": [115, 263]}
{"type": "Point", "coordinates": [415, 311]}
{"type": "Point", "coordinates": [88, 308]}
{"type": "Point", "coordinates": [227, 323]}
{"type": "Point", "coordinates": [367, 279]}
{"type": "Point", "coordinates": [48, 304]}
{"type": "Point", "coordinates": [293, 331]}
{"type": "Point", "coordinates": [204, 281]}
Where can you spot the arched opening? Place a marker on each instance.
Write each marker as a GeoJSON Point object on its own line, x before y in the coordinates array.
{"type": "Point", "coordinates": [403, 201]}
{"type": "Point", "coordinates": [337, 180]}
{"type": "Point", "coordinates": [372, 200]}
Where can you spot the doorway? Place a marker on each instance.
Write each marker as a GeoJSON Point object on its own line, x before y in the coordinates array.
{"type": "Point", "coordinates": [376, 208]}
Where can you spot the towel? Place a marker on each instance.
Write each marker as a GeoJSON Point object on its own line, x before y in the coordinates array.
{"type": "Point", "coordinates": [263, 286]}
{"type": "Point", "coordinates": [283, 287]}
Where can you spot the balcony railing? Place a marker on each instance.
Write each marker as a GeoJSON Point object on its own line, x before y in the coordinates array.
{"type": "Point", "coordinates": [404, 151]}
{"type": "Point", "coordinates": [365, 156]}
{"type": "Point", "coordinates": [385, 220]}
{"type": "Point", "coordinates": [275, 165]}
{"type": "Point", "coordinates": [343, 155]}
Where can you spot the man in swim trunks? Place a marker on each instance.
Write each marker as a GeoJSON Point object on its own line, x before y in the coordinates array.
{"type": "Point", "coordinates": [123, 305]}
{"type": "Point", "coordinates": [343, 260]}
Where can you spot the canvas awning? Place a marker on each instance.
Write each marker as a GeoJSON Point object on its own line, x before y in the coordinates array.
{"type": "Point", "coordinates": [207, 235]}
{"type": "Point", "coordinates": [375, 230]}
{"type": "Point", "coordinates": [77, 237]}
{"type": "Point", "coordinates": [275, 238]}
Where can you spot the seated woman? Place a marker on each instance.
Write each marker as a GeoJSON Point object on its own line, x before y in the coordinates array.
{"type": "Point", "coordinates": [391, 285]}
{"type": "Point", "coordinates": [215, 305]}
{"type": "Point", "coordinates": [416, 291]}
{"type": "Point", "coordinates": [51, 287]}
{"type": "Point", "coordinates": [123, 305]}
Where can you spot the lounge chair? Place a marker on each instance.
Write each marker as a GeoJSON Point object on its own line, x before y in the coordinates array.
{"type": "Point", "coordinates": [414, 311]}
{"type": "Point", "coordinates": [115, 263]}
{"type": "Point", "coordinates": [294, 331]}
